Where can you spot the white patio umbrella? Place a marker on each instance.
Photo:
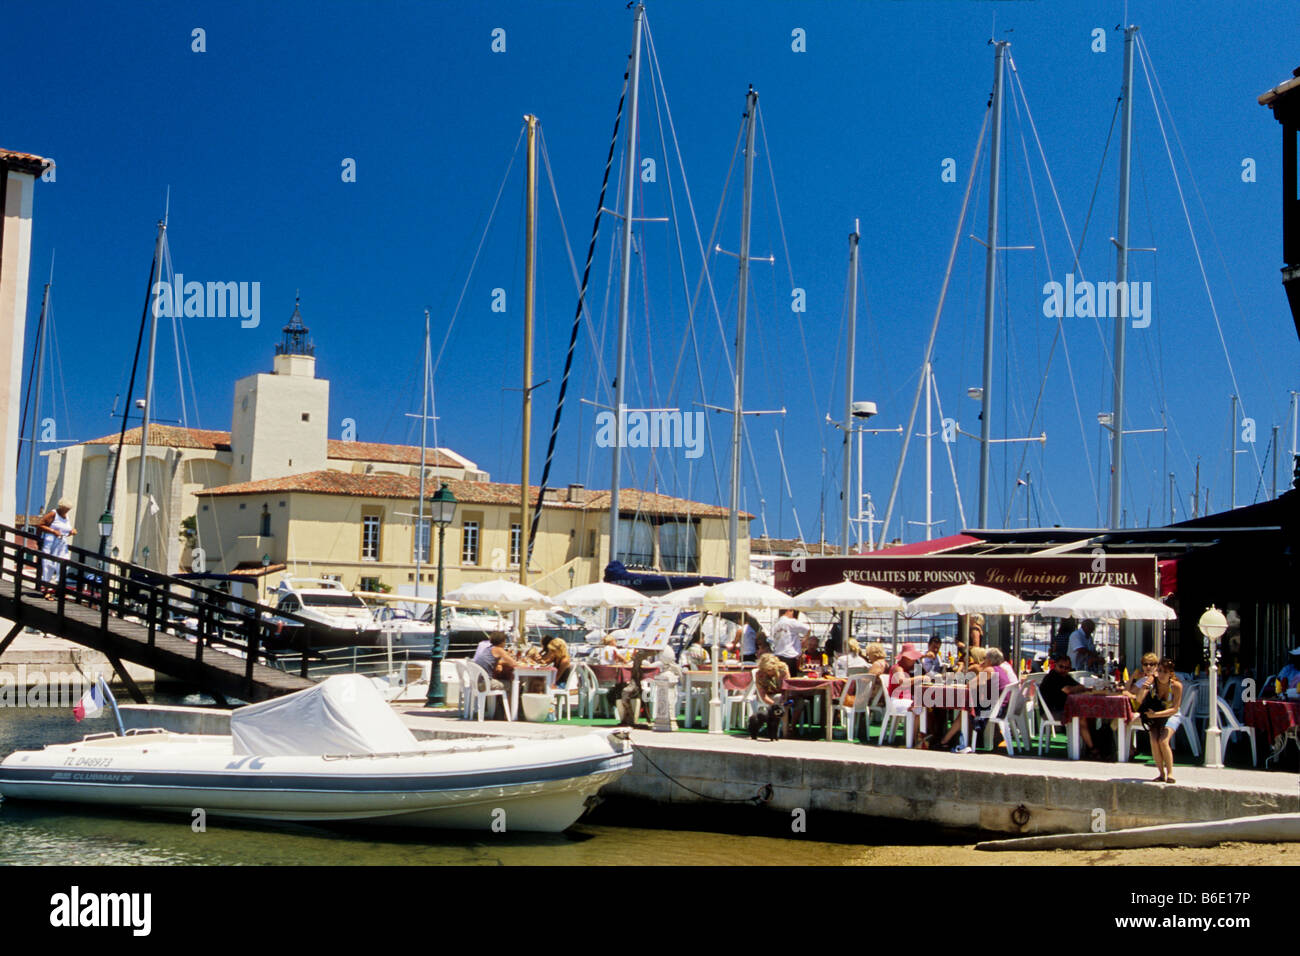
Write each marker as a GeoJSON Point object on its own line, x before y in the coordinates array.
{"type": "Point", "coordinates": [734, 596]}
{"type": "Point", "coordinates": [600, 594]}
{"type": "Point", "coordinates": [848, 596]}
{"type": "Point", "coordinates": [1108, 601]}
{"type": "Point", "coordinates": [501, 594]}
{"type": "Point", "coordinates": [1111, 602]}
{"type": "Point", "coordinates": [682, 597]}
{"type": "Point", "coordinates": [968, 599]}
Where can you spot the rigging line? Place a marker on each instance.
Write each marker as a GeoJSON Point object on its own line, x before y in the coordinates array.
{"type": "Point", "coordinates": [1213, 235]}
{"type": "Point", "coordinates": [170, 271]}
{"type": "Point", "coordinates": [690, 203]}
{"type": "Point", "coordinates": [934, 325]}
{"type": "Point", "coordinates": [1033, 127]}
{"type": "Point", "coordinates": [1058, 336]}
{"type": "Point", "coordinates": [1148, 69]}
{"type": "Point", "coordinates": [789, 263]}
{"type": "Point", "coordinates": [27, 397]}
{"type": "Point", "coordinates": [947, 447]}
{"type": "Point", "coordinates": [478, 251]}
{"type": "Point", "coordinates": [784, 474]}
{"type": "Point", "coordinates": [130, 388]}
{"type": "Point", "coordinates": [579, 309]}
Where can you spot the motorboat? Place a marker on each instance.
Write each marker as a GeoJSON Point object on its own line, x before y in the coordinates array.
{"type": "Point", "coordinates": [321, 600]}
{"type": "Point", "coordinates": [332, 753]}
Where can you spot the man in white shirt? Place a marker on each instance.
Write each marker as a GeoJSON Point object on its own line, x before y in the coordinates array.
{"type": "Point", "coordinates": [787, 639]}
{"type": "Point", "coordinates": [1083, 653]}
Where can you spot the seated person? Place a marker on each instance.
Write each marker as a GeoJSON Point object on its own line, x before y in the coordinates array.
{"type": "Point", "coordinates": [492, 656]}
{"type": "Point", "coordinates": [1289, 676]}
{"type": "Point", "coordinates": [769, 675]}
{"type": "Point", "coordinates": [932, 662]}
{"type": "Point", "coordinates": [811, 657]}
{"type": "Point", "coordinates": [876, 656]}
{"type": "Point", "coordinates": [1055, 687]}
{"type": "Point", "coordinates": [626, 696]}
{"type": "Point", "coordinates": [556, 655]}
{"type": "Point", "coordinates": [694, 656]}
{"type": "Point", "coordinates": [901, 676]}
{"type": "Point", "coordinates": [850, 658]}
{"type": "Point", "coordinates": [610, 654]}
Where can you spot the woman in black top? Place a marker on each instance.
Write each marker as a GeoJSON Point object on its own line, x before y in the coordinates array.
{"type": "Point", "coordinates": [1158, 698]}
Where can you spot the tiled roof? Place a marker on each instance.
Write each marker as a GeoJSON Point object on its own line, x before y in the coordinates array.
{"type": "Point", "coordinates": [407, 487]}
{"type": "Point", "coordinates": [786, 546]}
{"type": "Point", "coordinates": [24, 162]}
{"type": "Point", "coordinates": [172, 436]}
{"type": "Point", "coordinates": [396, 454]}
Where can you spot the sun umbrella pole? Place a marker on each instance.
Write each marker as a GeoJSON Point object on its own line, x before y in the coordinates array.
{"type": "Point", "coordinates": [715, 702]}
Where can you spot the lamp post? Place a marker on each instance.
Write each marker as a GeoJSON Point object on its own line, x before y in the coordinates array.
{"type": "Point", "coordinates": [105, 532]}
{"type": "Point", "coordinates": [443, 512]}
{"type": "Point", "coordinates": [1213, 625]}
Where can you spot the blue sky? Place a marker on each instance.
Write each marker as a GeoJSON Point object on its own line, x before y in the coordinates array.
{"type": "Point", "coordinates": [251, 135]}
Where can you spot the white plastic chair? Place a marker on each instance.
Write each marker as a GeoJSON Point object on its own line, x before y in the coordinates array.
{"type": "Point", "coordinates": [462, 689]}
{"type": "Point", "coordinates": [898, 709]}
{"type": "Point", "coordinates": [1046, 722]}
{"type": "Point", "coordinates": [592, 696]}
{"type": "Point", "coordinates": [864, 689]}
{"type": "Point", "coordinates": [1183, 719]}
{"type": "Point", "coordinates": [480, 689]}
{"type": "Point", "coordinates": [737, 706]}
{"type": "Point", "coordinates": [1231, 725]}
{"type": "Point", "coordinates": [564, 696]}
{"type": "Point", "coordinates": [1011, 721]}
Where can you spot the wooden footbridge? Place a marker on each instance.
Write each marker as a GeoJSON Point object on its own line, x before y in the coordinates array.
{"type": "Point", "coordinates": [225, 646]}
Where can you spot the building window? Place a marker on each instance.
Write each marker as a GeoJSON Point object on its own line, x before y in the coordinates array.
{"type": "Point", "coordinates": [515, 535]}
{"type": "Point", "coordinates": [369, 584]}
{"type": "Point", "coordinates": [678, 550]}
{"type": "Point", "coordinates": [422, 533]}
{"type": "Point", "coordinates": [306, 416]}
{"type": "Point", "coordinates": [469, 542]}
{"type": "Point", "coordinates": [591, 544]}
{"type": "Point", "coordinates": [370, 537]}
{"type": "Point", "coordinates": [636, 543]}
{"type": "Point", "coordinates": [265, 530]}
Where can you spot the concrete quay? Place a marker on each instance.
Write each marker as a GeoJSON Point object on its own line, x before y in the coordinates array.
{"type": "Point", "coordinates": [51, 657]}
{"type": "Point", "coordinates": [987, 791]}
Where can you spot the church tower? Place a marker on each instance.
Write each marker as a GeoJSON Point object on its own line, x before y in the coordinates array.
{"type": "Point", "coordinates": [279, 422]}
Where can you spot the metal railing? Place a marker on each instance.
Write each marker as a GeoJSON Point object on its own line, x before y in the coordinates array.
{"type": "Point", "coordinates": [161, 603]}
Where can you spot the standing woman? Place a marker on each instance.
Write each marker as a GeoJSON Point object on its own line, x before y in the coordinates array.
{"type": "Point", "coordinates": [1158, 699]}
{"type": "Point", "coordinates": [55, 529]}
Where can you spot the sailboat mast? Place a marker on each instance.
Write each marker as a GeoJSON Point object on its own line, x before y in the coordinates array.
{"type": "Point", "coordinates": [424, 443]}
{"type": "Point", "coordinates": [929, 440]}
{"type": "Point", "coordinates": [1121, 280]}
{"type": "Point", "coordinates": [625, 278]}
{"type": "Point", "coordinates": [41, 336]}
{"type": "Point", "coordinates": [742, 302]}
{"type": "Point", "coordinates": [530, 265]}
{"type": "Point", "coordinates": [148, 398]}
{"type": "Point", "coordinates": [848, 389]}
{"type": "Point", "coordinates": [990, 279]}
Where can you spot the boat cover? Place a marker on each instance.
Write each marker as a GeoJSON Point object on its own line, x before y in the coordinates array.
{"type": "Point", "coordinates": [344, 714]}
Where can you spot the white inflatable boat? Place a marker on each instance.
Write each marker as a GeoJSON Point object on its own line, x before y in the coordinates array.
{"type": "Point", "coordinates": [335, 752]}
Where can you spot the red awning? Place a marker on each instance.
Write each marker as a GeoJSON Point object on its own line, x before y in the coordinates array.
{"type": "Point", "coordinates": [934, 546]}
{"type": "Point", "coordinates": [1168, 576]}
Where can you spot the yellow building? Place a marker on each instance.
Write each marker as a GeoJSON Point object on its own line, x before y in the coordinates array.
{"type": "Point", "coordinates": [361, 529]}
{"type": "Point", "coordinates": [275, 495]}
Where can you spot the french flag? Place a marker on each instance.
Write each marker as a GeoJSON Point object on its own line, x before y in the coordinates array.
{"type": "Point", "coordinates": [91, 703]}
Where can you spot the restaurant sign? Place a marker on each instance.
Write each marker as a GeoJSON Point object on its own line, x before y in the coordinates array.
{"type": "Point", "coordinates": [1026, 576]}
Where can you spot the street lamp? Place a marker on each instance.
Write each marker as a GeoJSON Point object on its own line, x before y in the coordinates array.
{"type": "Point", "coordinates": [105, 531]}
{"type": "Point", "coordinates": [1213, 625]}
{"type": "Point", "coordinates": [442, 512]}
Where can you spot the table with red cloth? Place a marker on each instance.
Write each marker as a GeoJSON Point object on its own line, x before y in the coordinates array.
{"type": "Point", "coordinates": [810, 687]}
{"type": "Point", "coordinates": [1116, 707]}
{"type": "Point", "coordinates": [1277, 720]}
{"type": "Point", "coordinates": [619, 673]}
{"type": "Point", "coordinates": [949, 696]}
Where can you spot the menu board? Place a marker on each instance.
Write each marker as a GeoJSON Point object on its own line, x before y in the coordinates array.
{"type": "Point", "coordinates": [650, 628]}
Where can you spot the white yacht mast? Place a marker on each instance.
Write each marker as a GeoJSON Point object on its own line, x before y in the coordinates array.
{"type": "Point", "coordinates": [1121, 281]}
{"type": "Point", "coordinates": [148, 398]}
{"type": "Point", "coordinates": [742, 303]}
{"type": "Point", "coordinates": [848, 395]}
